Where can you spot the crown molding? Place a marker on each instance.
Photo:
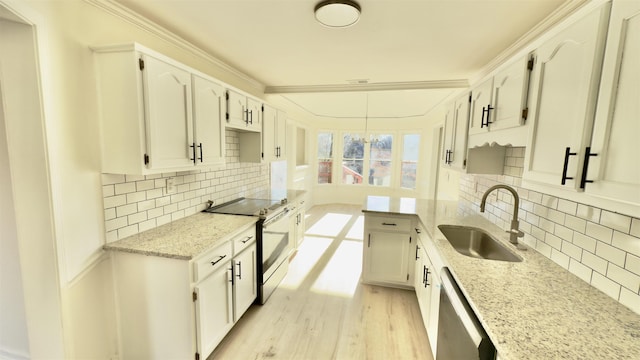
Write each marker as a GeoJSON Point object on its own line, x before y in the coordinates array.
{"type": "Point", "coordinates": [132, 17]}
{"type": "Point", "coordinates": [410, 85]}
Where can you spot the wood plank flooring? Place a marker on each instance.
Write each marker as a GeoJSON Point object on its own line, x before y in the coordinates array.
{"type": "Point", "coordinates": [322, 311]}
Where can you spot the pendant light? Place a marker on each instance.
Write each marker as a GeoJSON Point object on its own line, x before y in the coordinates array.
{"type": "Point", "coordinates": [337, 13]}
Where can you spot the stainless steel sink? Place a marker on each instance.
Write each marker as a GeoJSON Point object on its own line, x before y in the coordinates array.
{"type": "Point", "coordinates": [476, 243]}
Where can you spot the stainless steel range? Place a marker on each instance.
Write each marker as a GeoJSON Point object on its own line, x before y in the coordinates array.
{"type": "Point", "coordinates": [272, 232]}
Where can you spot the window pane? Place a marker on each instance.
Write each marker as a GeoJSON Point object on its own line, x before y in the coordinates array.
{"type": "Point", "coordinates": [352, 158]}
{"type": "Point", "coordinates": [325, 160]}
{"type": "Point", "coordinates": [380, 160]}
{"type": "Point", "coordinates": [410, 153]}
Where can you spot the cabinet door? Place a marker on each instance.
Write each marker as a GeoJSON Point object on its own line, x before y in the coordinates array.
{"type": "Point", "coordinates": [208, 111]}
{"type": "Point", "coordinates": [246, 286]}
{"type": "Point", "coordinates": [214, 310]}
{"type": "Point", "coordinates": [458, 157]}
{"type": "Point", "coordinates": [615, 171]}
{"type": "Point", "coordinates": [388, 255]}
{"type": "Point", "coordinates": [480, 102]}
{"type": "Point", "coordinates": [254, 115]}
{"type": "Point", "coordinates": [564, 94]}
{"type": "Point", "coordinates": [167, 94]}
{"type": "Point", "coordinates": [510, 87]}
{"type": "Point", "coordinates": [236, 110]}
{"type": "Point", "coordinates": [270, 121]}
{"type": "Point", "coordinates": [281, 135]}
{"type": "Point", "coordinates": [434, 309]}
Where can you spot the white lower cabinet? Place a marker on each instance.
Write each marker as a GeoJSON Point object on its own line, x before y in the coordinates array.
{"type": "Point", "coordinates": [427, 287]}
{"type": "Point", "coordinates": [181, 309]}
{"type": "Point", "coordinates": [388, 257]}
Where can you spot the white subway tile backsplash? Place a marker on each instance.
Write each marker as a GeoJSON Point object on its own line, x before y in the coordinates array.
{"type": "Point", "coordinates": [588, 213]}
{"type": "Point", "coordinates": [585, 242]}
{"type": "Point", "coordinates": [635, 228]}
{"type": "Point", "coordinates": [134, 203]}
{"type": "Point", "coordinates": [615, 221]}
{"type": "Point", "coordinates": [630, 299]}
{"type": "Point", "coordinates": [633, 264]}
{"type": "Point", "coordinates": [606, 285]}
{"type": "Point", "coordinates": [594, 262]}
{"type": "Point", "coordinates": [599, 246]}
{"type": "Point", "coordinates": [125, 188]}
{"type": "Point", "coordinates": [113, 201]}
{"type": "Point", "coordinates": [575, 223]}
{"type": "Point", "coordinates": [610, 253]}
{"type": "Point", "coordinates": [599, 232]}
{"type": "Point", "coordinates": [623, 277]}
{"type": "Point", "coordinates": [572, 250]}
{"type": "Point", "coordinates": [560, 258]}
{"type": "Point", "coordinates": [580, 270]}
{"type": "Point", "coordinates": [566, 206]}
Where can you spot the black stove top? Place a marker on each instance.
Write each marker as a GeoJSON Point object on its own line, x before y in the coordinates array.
{"type": "Point", "coordinates": [245, 206]}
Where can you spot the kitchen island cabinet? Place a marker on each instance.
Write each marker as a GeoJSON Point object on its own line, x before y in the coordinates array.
{"type": "Point", "coordinates": [388, 258]}
{"type": "Point", "coordinates": [181, 287]}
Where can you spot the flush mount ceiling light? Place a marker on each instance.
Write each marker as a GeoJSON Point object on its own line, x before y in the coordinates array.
{"type": "Point", "coordinates": [337, 13]}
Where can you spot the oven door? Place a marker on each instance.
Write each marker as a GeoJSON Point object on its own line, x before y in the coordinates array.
{"type": "Point", "coordinates": [275, 243]}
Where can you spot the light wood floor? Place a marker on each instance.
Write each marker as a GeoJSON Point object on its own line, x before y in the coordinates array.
{"type": "Point", "coordinates": [322, 311]}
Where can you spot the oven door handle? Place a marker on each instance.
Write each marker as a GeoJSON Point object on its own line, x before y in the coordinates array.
{"type": "Point", "coordinates": [461, 311]}
{"type": "Point", "coordinates": [282, 214]}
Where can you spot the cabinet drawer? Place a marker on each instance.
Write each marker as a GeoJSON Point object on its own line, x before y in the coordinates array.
{"type": "Point", "coordinates": [212, 260]}
{"type": "Point", "coordinates": [388, 223]}
{"type": "Point", "coordinates": [243, 240]}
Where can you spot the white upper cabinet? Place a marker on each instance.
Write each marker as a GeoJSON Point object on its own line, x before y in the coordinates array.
{"type": "Point", "coordinates": [500, 103]}
{"type": "Point", "coordinates": [563, 101]}
{"type": "Point", "coordinates": [167, 98]}
{"type": "Point", "coordinates": [155, 115]}
{"type": "Point", "coordinates": [274, 134]}
{"type": "Point", "coordinates": [243, 112]}
{"type": "Point", "coordinates": [481, 107]}
{"type": "Point", "coordinates": [615, 170]}
{"type": "Point", "coordinates": [456, 127]}
{"type": "Point", "coordinates": [208, 113]}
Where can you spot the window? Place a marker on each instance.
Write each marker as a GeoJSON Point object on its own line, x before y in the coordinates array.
{"type": "Point", "coordinates": [380, 157]}
{"type": "Point", "coordinates": [409, 166]}
{"type": "Point", "coordinates": [325, 157]}
{"type": "Point", "coordinates": [352, 158]}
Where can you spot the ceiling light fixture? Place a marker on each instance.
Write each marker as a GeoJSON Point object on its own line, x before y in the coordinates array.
{"type": "Point", "coordinates": [337, 13]}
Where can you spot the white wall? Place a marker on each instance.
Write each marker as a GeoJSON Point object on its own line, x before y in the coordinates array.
{"type": "Point", "coordinates": [14, 340]}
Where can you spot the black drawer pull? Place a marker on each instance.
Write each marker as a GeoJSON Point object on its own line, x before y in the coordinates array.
{"type": "Point", "coordinates": [247, 239]}
{"type": "Point", "coordinates": [389, 224]}
{"type": "Point", "coordinates": [213, 263]}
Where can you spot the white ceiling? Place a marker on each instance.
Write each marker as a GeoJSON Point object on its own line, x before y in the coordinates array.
{"type": "Point", "coordinates": [424, 43]}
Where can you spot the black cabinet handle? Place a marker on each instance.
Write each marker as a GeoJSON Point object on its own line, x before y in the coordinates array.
{"type": "Point", "coordinates": [418, 231]}
{"type": "Point", "coordinates": [239, 264]}
{"type": "Point", "coordinates": [247, 239]}
{"type": "Point", "coordinates": [417, 249]}
{"type": "Point", "coordinates": [214, 262]}
{"type": "Point", "coordinates": [251, 117]}
{"type": "Point", "coordinates": [426, 277]}
{"type": "Point", "coordinates": [200, 146]}
{"type": "Point", "coordinates": [246, 118]}
{"type": "Point", "coordinates": [232, 280]}
{"type": "Point", "coordinates": [389, 224]}
{"type": "Point", "coordinates": [193, 150]}
{"type": "Point", "coordinates": [486, 110]}
{"type": "Point", "coordinates": [585, 167]}
{"type": "Point", "coordinates": [567, 153]}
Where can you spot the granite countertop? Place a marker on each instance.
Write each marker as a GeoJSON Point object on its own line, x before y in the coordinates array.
{"type": "Point", "coordinates": [532, 309]}
{"type": "Point", "coordinates": [186, 238]}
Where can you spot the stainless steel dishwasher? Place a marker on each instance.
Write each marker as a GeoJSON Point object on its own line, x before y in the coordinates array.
{"type": "Point", "coordinates": [460, 334]}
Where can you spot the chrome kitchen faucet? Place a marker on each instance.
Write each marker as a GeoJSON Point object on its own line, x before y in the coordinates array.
{"type": "Point", "coordinates": [514, 232]}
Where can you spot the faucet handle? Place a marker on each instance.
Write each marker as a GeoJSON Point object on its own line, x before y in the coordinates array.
{"type": "Point", "coordinates": [515, 231]}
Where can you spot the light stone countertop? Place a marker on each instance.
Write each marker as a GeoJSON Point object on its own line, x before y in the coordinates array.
{"type": "Point", "coordinates": [186, 238]}
{"type": "Point", "coordinates": [532, 309]}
